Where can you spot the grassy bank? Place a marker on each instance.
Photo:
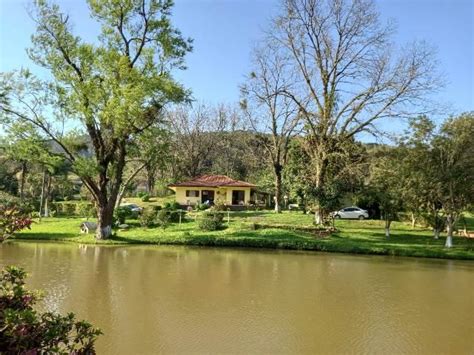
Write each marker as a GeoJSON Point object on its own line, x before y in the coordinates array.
{"type": "Point", "coordinates": [359, 237]}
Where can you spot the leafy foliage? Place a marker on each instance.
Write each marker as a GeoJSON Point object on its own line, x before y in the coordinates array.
{"type": "Point", "coordinates": [148, 218]}
{"type": "Point", "coordinates": [24, 330]}
{"type": "Point", "coordinates": [12, 219]}
{"type": "Point", "coordinates": [211, 221]}
{"type": "Point", "coordinates": [122, 213]}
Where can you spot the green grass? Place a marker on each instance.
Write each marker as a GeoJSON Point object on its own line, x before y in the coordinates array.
{"type": "Point", "coordinates": [360, 237]}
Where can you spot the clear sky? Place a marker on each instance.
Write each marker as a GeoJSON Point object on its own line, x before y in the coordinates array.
{"type": "Point", "coordinates": [224, 32]}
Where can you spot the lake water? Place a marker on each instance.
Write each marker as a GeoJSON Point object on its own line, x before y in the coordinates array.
{"type": "Point", "coordinates": [156, 299]}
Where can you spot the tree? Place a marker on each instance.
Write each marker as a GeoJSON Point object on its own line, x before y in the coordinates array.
{"type": "Point", "coordinates": [271, 113]}
{"type": "Point", "coordinates": [149, 151]}
{"type": "Point", "coordinates": [349, 75]}
{"type": "Point", "coordinates": [387, 183]}
{"type": "Point", "coordinates": [439, 170]}
{"type": "Point", "coordinates": [421, 189]}
{"type": "Point", "coordinates": [111, 90]}
{"type": "Point", "coordinates": [203, 140]}
{"type": "Point", "coordinates": [453, 156]}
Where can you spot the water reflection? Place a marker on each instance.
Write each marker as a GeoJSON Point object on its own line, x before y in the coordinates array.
{"type": "Point", "coordinates": [182, 300]}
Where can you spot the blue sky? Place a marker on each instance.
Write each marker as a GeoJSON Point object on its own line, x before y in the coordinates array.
{"type": "Point", "coordinates": [224, 32]}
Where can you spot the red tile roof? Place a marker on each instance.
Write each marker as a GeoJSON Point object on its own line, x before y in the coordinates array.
{"type": "Point", "coordinates": [213, 181]}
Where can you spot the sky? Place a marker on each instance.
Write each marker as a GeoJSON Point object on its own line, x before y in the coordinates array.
{"type": "Point", "coordinates": [225, 31]}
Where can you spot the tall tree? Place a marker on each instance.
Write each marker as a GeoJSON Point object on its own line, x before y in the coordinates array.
{"type": "Point", "coordinates": [349, 74]}
{"type": "Point", "coordinates": [111, 89]}
{"type": "Point", "coordinates": [453, 156]}
{"type": "Point", "coordinates": [272, 115]}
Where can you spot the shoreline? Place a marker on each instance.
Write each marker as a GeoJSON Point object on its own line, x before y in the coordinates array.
{"type": "Point", "coordinates": [256, 243]}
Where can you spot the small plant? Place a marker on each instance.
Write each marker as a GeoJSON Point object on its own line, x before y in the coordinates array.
{"type": "Point", "coordinates": [148, 218]}
{"type": "Point", "coordinates": [211, 221]}
{"type": "Point", "coordinates": [25, 331]}
{"type": "Point", "coordinates": [145, 198]}
{"type": "Point", "coordinates": [12, 219]}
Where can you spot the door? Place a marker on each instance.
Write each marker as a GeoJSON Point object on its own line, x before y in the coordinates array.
{"type": "Point", "coordinates": [207, 195]}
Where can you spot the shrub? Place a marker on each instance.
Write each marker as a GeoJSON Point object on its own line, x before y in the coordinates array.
{"type": "Point", "coordinates": [25, 331]}
{"type": "Point", "coordinates": [145, 198]}
{"type": "Point", "coordinates": [140, 194]}
{"type": "Point", "coordinates": [157, 208]}
{"type": "Point", "coordinates": [12, 219]}
{"type": "Point", "coordinates": [148, 218]}
{"type": "Point", "coordinates": [211, 221]}
{"type": "Point", "coordinates": [122, 213]}
{"type": "Point", "coordinates": [163, 218]}
{"type": "Point", "coordinates": [171, 206]}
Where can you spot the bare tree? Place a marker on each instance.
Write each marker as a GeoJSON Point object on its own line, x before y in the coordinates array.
{"type": "Point", "coordinates": [271, 113]}
{"type": "Point", "coordinates": [350, 75]}
{"type": "Point", "coordinates": [192, 142]}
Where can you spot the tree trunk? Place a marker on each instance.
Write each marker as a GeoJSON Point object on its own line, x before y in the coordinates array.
{"type": "Point", "coordinates": [318, 216]}
{"type": "Point", "coordinates": [449, 227]}
{"type": "Point", "coordinates": [150, 180]}
{"type": "Point", "coordinates": [436, 233]}
{"type": "Point", "coordinates": [22, 181]}
{"type": "Point", "coordinates": [104, 223]}
{"type": "Point", "coordinates": [277, 171]}
{"type": "Point", "coordinates": [320, 173]}
{"type": "Point", "coordinates": [42, 194]}
{"type": "Point", "coordinates": [124, 186]}
{"type": "Point", "coordinates": [413, 220]}
{"type": "Point", "coordinates": [107, 193]}
{"type": "Point", "coordinates": [47, 195]}
{"type": "Point", "coordinates": [387, 228]}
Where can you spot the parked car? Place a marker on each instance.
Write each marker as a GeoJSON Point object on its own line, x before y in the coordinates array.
{"type": "Point", "coordinates": [133, 207]}
{"type": "Point", "coordinates": [351, 213]}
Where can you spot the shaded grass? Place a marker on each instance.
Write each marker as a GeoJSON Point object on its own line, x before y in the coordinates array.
{"type": "Point", "coordinates": [359, 237]}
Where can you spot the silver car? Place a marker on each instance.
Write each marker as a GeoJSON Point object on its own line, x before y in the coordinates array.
{"type": "Point", "coordinates": [351, 213]}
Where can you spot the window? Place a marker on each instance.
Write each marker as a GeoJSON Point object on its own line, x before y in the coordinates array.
{"type": "Point", "coordinates": [192, 193]}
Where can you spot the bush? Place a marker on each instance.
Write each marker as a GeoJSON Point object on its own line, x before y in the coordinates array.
{"type": "Point", "coordinates": [148, 218]}
{"type": "Point", "coordinates": [211, 221]}
{"type": "Point", "coordinates": [122, 213]}
{"type": "Point", "coordinates": [171, 206]}
{"type": "Point", "coordinates": [12, 219]}
{"type": "Point", "coordinates": [25, 331]}
{"type": "Point", "coordinates": [163, 218]}
{"type": "Point", "coordinates": [146, 198]}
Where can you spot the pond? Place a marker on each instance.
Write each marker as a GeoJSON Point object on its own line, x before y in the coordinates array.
{"type": "Point", "coordinates": [156, 299]}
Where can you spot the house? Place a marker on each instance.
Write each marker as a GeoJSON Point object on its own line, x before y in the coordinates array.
{"type": "Point", "coordinates": [212, 189]}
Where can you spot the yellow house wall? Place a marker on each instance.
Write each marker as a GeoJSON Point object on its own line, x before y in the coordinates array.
{"type": "Point", "coordinates": [223, 194]}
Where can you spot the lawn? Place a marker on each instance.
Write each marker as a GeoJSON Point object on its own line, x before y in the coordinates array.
{"type": "Point", "coordinates": [361, 237]}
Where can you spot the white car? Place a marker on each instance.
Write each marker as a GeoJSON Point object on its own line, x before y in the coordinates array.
{"type": "Point", "coordinates": [351, 213]}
